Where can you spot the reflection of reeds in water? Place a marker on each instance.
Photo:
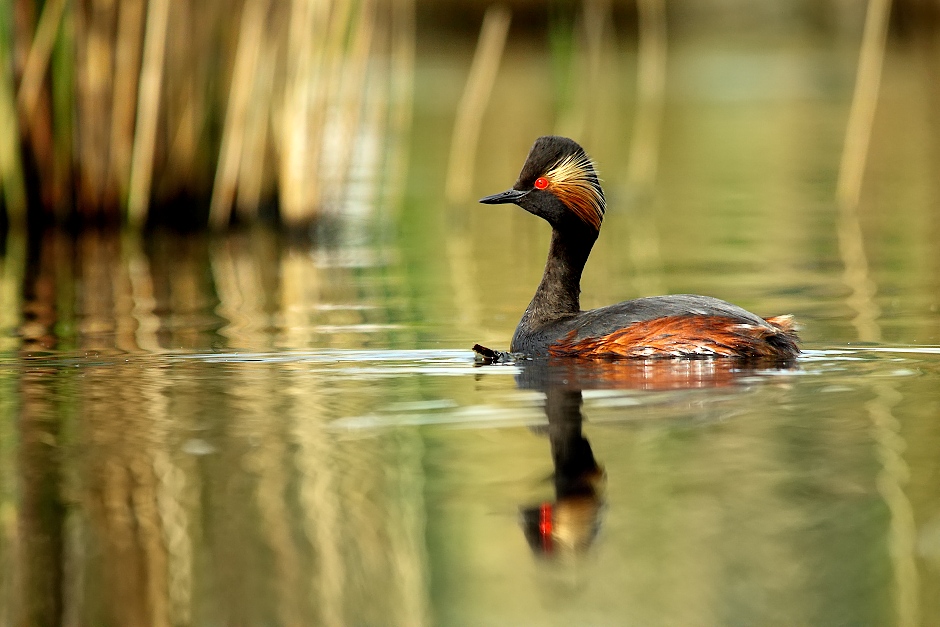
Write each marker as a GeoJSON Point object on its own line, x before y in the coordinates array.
{"type": "Point", "coordinates": [366, 526]}
{"type": "Point", "coordinates": [308, 97]}
{"type": "Point", "coordinates": [894, 475]}
{"type": "Point", "coordinates": [895, 472]}
{"type": "Point", "coordinates": [246, 278]}
{"type": "Point", "coordinates": [131, 491]}
{"type": "Point", "coordinates": [8, 512]}
{"type": "Point", "coordinates": [128, 488]}
{"type": "Point", "coordinates": [248, 291]}
{"type": "Point", "coordinates": [12, 268]}
{"type": "Point", "coordinates": [8, 443]}
{"type": "Point", "coordinates": [32, 521]}
{"type": "Point", "coordinates": [346, 532]}
{"type": "Point", "coordinates": [200, 492]}
{"type": "Point", "coordinates": [41, 510]}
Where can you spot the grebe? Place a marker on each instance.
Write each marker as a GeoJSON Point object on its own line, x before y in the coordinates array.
{"type": "Point", "coordinates": [559, 184]}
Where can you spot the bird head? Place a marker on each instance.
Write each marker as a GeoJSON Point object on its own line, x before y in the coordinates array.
{"type": "Point", "coordinates": [558, 183]}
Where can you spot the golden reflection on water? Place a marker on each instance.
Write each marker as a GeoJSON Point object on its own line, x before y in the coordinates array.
{"type": "Point", "coordinates": [140, 506]}
{"type": "Point", "coordinates": [101, 292]}
{"type": "Point", "coordinates": [137, 505]}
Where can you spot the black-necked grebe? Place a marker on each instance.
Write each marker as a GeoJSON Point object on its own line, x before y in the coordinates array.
{"type": "Point", "coordinates": [559, 184]}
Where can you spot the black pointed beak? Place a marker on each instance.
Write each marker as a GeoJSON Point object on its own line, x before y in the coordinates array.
{"type": "Point", "coordinates": [502, 198]}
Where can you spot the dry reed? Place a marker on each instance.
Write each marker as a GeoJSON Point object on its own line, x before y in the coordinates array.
{"type": "Point", "coordinates": [651, 83]}
{"type": "Point", "coordinates": [579, 52]}
{"type": "Point", "coordinates": [297, 89]}
{"type": "Point", "coordinates": [476, 95]}
{"type": "Point", "coordinates": [37, 61]}
{"type": "Point", "coordinates": [148, 101]}
{"type": "Point", "coordinates": [645, 253]}
{"type": "Point", "coordinates": [233, 137]}
{"type": "Point", "coordinates": [852, 169]}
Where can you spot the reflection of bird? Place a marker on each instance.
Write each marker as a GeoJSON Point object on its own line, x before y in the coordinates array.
{"type": "Point", "coordinates": [559, 184]}
{"type": "Point", "coordinates": [571, 522]}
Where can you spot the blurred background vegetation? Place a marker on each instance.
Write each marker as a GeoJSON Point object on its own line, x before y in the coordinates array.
{"type": "Point", "coordinates": [198, 113]}
{"type": "Point", "coordinates": [190, 112]}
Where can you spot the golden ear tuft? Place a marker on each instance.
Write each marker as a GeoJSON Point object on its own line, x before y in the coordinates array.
{"type": "Point", "coordinates": [574, 182]}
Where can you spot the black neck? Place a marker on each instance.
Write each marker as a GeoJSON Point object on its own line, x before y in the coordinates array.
{"type": "Point", "coordinates": [558, 293]}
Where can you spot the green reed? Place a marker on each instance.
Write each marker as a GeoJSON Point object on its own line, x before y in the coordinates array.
{"type": "Point", "coordinates": [13, 196]}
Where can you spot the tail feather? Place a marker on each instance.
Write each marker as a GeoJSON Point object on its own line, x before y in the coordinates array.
{"type": "Point", "coordinates": [783, 323]}
{"type": "Point", "coordinates": [785, 339]}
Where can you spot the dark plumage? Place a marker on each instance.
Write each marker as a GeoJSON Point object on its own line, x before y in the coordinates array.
{"type": "Point", "coordinates": [559, 184]}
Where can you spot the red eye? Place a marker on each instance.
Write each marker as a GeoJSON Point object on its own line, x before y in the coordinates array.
{"type": "Point", "coordinates": [541, 182]}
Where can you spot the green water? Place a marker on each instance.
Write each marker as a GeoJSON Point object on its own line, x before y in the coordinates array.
{"type": "Point", "coordinates": [243, 430]}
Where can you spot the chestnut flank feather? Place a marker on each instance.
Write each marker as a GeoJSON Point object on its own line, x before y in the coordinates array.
{"type": "Point", "coordinates": [686, 336]}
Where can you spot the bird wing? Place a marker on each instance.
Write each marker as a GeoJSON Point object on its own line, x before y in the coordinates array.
{"type": "Point", "coordinates": [605, 320]}
{"type": "Point", "coordinates": [674, 326]}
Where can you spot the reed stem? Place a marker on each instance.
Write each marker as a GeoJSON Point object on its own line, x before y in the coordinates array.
{"type": "Point", "coordinates": [148, 111]}
{"type": "Point", "coordinates": [12, 184]}
{"type": "Point", "coordinates": [852, 169]}
{"type": "Point", "coordinates": [651, 83]}
{"type": "Point", "coordinates": [37, 61]}
{"type": "Point", "coordinates": [240, 94]}
{"type": "Point", "coordinates": [476, 95]}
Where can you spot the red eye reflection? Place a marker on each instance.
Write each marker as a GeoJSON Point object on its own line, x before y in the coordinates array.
{"type": "Point", "coordinates": [541, 182]}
